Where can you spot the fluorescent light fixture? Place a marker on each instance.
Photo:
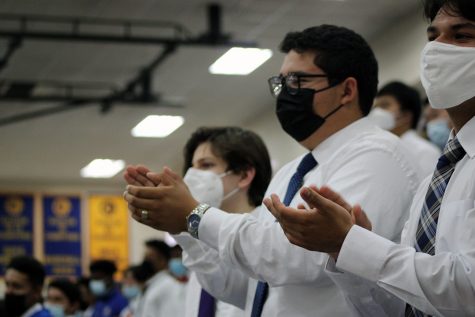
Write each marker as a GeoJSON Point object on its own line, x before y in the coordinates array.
{"type": "Point", "coordinates": [240, 61]}
{"type": "Point", "coordinates": [157, 126]}
{"type": "Point", "coordinates": [102, 168]}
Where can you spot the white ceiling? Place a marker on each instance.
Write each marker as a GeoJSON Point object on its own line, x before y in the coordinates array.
{"type": "Point", "coordinates": [52, 149]}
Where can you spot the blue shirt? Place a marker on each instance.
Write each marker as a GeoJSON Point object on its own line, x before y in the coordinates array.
{"type": "Point", "coordinates": [110, 305]}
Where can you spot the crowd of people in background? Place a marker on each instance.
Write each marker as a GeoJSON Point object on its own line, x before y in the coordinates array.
{"type": "Point", "coordinates": [154, 287]}
{"type": "Point", "coordinates": [298, 249]}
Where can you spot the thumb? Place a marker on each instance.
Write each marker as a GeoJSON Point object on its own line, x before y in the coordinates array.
{"type": "Point", "coordinates": [315, 200]}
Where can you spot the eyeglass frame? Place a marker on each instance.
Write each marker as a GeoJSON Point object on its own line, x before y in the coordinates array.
{"type": "Point", "coordinates": [275, 81]}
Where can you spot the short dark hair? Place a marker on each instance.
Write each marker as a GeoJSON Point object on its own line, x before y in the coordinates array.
{"type": "Point", "coordinates": [340, 53]}
{"type": "Point", "coordinates": [103, 266]}
{"type": "Point", "coordinates": [29, 266]}
{"type": "Point", "coordinates": [141, 272]}
{"type": "Point", "coordinates": [408, 98]}
{"type": "Point", "coordinates": [159, 247]}
{"type": "Point", "coordinates": [465, 8]}
{"type": "Point", "coordinates": [68, 288]}
{"type": "Point", "coordinates": [240, 149]}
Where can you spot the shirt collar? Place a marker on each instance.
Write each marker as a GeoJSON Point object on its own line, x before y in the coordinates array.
{"type": "Point", "coordinates": [465, 137]}
{"type": "Point", "coordinates": [324, 151]}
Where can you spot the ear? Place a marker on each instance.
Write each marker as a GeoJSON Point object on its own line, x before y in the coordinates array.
{"type": "Point", "coordinates": [350, 91]}
{"type": "Point", "coordinates": [247, 177]}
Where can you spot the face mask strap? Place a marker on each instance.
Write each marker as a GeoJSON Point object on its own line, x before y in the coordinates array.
{"type": "Point", "coordinates": [231, 193]}
{"type": "Point", "coordinates": [333, 111]}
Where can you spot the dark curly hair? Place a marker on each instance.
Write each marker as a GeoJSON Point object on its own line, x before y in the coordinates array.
{"type": "Point", "coordinates": [464, 8]}
{"type": "Point", "coordinates": [240, 149]}
{"type": "Point", "coordinates": [340, 53]}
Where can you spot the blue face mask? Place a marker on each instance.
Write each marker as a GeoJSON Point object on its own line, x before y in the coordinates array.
{"type": "Point", "coordinates": [98, 287]}
{"type": "Point", "coordinates": [438, 132]}
{"type": "Point", "coordinates": [177, 268]}
{"type": "Point", "coordinates": [130, 291]}
{"type": "Point", "coordinates": [55, 310]}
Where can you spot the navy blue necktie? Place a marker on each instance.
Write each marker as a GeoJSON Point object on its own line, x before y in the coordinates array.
{"type": "Point", "coordinates": [207, 304]}
{"type": "Point", "coordinates": [427, 228]}
{"type": "Point", "coordinates": [296, 181]}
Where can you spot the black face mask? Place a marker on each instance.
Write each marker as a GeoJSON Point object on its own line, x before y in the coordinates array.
{"type": "Point", "coordinates": [15, 305]}
{"type": "Point", "coordinates": [296, 115]}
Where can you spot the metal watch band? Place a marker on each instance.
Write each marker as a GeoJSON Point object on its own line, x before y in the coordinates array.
{"type": "Point", "coordinates": [194, 218]}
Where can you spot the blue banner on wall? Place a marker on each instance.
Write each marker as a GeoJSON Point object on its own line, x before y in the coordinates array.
{"type": "Point", "coordinates": [16, 227]}
{"type": "Point", "coordinates": [62, 235]}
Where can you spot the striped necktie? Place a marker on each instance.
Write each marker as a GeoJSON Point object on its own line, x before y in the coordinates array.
{"type": "Point", "coordinates": [427, 227]}
{"type": "Point", "coordinates": [296, 181]}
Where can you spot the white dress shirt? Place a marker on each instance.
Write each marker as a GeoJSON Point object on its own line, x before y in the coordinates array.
{"type": "Point", "coordinates": [164, 296]}
{"type": "Point", "coordinates": [220, 279]}
{"type": "Point", "coordinates": [193, 295]}
{"type": "Point", "coordinates": [427, 153]}
{"type": "Point", "coordinates": [361, 162]}
{"type": "Point", "coordinates": [439, 285]}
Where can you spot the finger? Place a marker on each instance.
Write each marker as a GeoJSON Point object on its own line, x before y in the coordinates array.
{"type": "Point", "coordinates": [288, 214]}
{"type": "Point", "coordinates": [167, 179]}
{"type": "Point", "coordinates": [141, 192]}
{"type": "Point", "coordinates": [171, 173]}
{"type": "Point", "coordinates": [155, 178]}
{"type": "Point", "coordinates": [361, 218]}
{"type": "Point", "coordinates": [140, 179]}
{"type": "Point", "coordinates": [270, 206]}
{"type": "Point", "coordinates": [130, 180]}
{"type": "Point", "coordinates": [301, 206]}
{"type": "Point", "coordinates": [142, 169]}
{"type": "Point", "coordinates": [315, 200]}
{"type": "Point", "coordinates": [330, 194]}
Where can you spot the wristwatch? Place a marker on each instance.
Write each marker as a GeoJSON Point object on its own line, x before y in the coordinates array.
{"type": "Point", "coordinates": [194, 218]}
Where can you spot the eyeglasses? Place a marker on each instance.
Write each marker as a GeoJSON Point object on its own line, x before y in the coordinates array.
{"type": "Point", "coordinates": [292, 82]}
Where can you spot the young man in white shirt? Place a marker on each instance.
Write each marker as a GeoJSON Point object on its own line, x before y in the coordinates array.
{"type": "Point", "coordinates": [432, 270]}
{"type": "Point", "coordinates": [325, 89]}
{"type": "Point", "coordinates": [228, 168]}
{"type": "Point", "coordinates": [401, 104]}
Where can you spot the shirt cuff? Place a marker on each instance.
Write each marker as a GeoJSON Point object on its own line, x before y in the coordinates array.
{"type": "Point", "coordinates": [363, 253]}
{"type": "Point", "coordinates": [210, 225]}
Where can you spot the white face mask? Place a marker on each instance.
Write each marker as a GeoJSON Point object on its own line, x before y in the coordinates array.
{"type": "Point", "coordinates": [382, 118]}
{"type": "Point", "coordinates": [207, 186]}
{"type": "Point", "coordinates": [447, 74]}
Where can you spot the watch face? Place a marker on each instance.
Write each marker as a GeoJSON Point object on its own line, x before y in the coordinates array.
{"type": "Point", "coordinates": [193, 221]}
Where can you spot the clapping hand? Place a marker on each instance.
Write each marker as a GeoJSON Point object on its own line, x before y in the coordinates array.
{"type": "Point", "coordinates": [324, 226]}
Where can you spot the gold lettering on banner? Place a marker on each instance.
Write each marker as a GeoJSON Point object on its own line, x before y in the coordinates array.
{"type": "Point", "coordinates": [14, 228]}
{"type": "Point", "coordinates": [9, 252]}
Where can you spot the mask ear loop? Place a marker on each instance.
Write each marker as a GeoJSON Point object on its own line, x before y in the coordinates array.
{"type": "Point", "coordinates": [231, 193]}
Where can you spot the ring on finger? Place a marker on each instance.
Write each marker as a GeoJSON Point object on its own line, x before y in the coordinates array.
{"type": "Point", "coordinates": [144, 215]}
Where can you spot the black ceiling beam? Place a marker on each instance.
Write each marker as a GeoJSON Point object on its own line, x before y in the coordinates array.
{"type": "Point", "coordinates": [44, 112]}
{"type": "Point", "coordinates": [126, 31]}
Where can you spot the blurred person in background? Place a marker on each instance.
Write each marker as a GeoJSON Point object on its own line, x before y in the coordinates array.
{"type": "Point", "coordinates": [86, 298]}
{"type": "Point", "coordinates": [397, 108]}
{"type": "Point", "coordinates": [176, 266]}
{"type": "Point", "coordinates": [63, 298]}
{"type": "Point", "coordinates": [133, 286]}
{"type": "Point", "coordinates": [24, 278]}
{"type": "Point", "coordinates": [109, 301]}
{"type": "Point", "coordinates": [437, 125]}
{"type": "Point", "coordinates": [164, 295]}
